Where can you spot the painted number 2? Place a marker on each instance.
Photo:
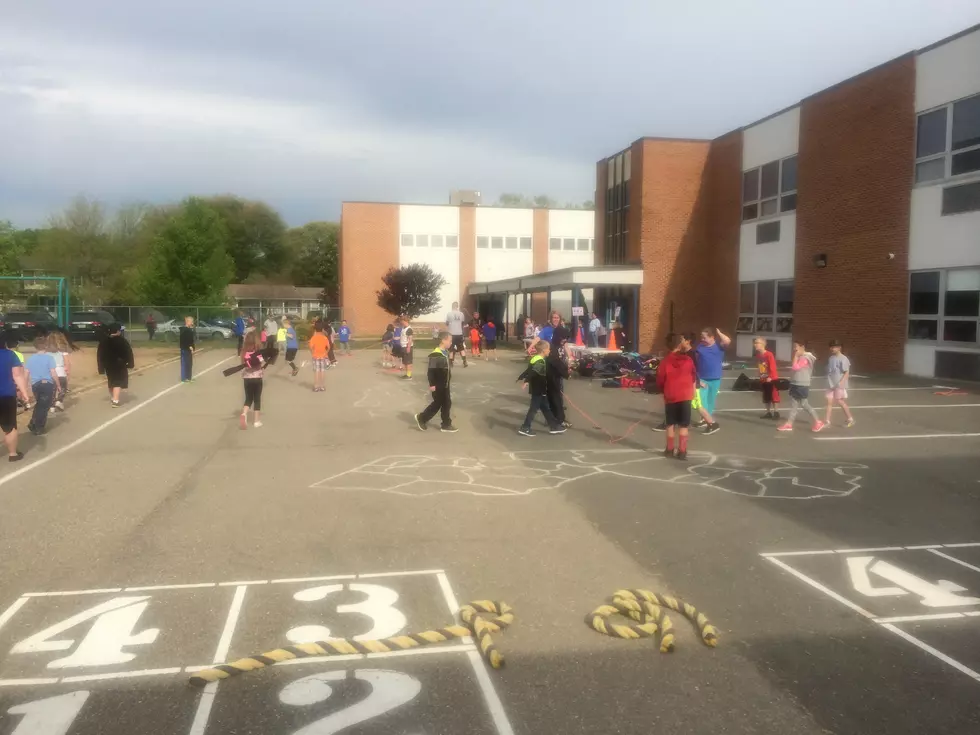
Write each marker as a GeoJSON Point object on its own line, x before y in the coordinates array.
{"type": "Point", "coordinates": [386, 620]}
{"type": "Point", "coordinates": [389, 689]}
{"type": "Point", "coordinates": [51, 716]}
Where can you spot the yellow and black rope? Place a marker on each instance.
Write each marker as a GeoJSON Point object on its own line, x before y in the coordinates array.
{"type": "Point", "coordinates": [647, 609]}
{"type": "Point", "coordinates": [473, 615]}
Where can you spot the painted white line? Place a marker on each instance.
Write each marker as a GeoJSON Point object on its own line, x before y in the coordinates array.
{"type": "Point", "coordinates": [972, 613]}
{"type": "Point", "coordinates": [954, 559]}
{"type": "Point", "coordinates": [926, 546]}
{"type": "Point", "coordinates": [797, 553]}
{"type": "Point", "coordinates": [243, 583]}
{"type": "Point", "coordinates": [849, 390]}
{"type": "Point", "coordinates": [816, 585]}
{"type": "Point", "coordinates": [961, 546]}
{"type": "Point", "coordinates": [12, 610]}
{"type": "Point", "coordinates": [496, 707]}
{"type": "Point", "coordinates": [69, 593]}
{"type": "Point", "coordinates": [929, 649]}
{"type": "Point", "coordinates": [25, 682]}
{"type": "Point", "coordinates": [155, 587]}
{"type": "Point", "coordinates": [894, 436]}
{"type": "Point", "coordinates": [119, 675]}
{"type": "Point", "coordinates": [295, 580]}
{"type": "Point", "coordinates": [917, 618]}
{"type": "Point", "coordinates": [400, 574]}
{"type": "Point", "coordinates": [389, 654]}
{"type": "Point", "coordinates": [866, 551]}
{"type": "Point", "coordinates": [861, 408]}
{"type": "Point", "coordinates": [9, 477]}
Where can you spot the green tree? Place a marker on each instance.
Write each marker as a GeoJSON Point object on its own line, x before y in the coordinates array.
{"type": "Point", "coordinates": [256, 236]}
{"type": "Point", "coordinates": [412, 289]}
{"type": "Point", "coordinates": [312, 251]}
{"type": "Point", "coordinates": [187, 263]}
{"type": "Point", "coordinates": [14, 245]}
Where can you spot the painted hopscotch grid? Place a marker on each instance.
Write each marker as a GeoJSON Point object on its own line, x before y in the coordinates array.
{"type": "Point", "coordinates": [889, 622]}
{"type": "Point", "coordinates": [202, 715]}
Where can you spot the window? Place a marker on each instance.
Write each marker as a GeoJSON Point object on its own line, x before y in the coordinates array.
{"type": "Point", "coordinates": [511, 243]}
{"type": "Point", "coordinates": [436, 241]}
{"type": "Point", "coordinates": [582, 244]}
{"type": "Point", "coordinates": [767, 232]}
{"type": "Point", "coordinates": [945, 305]}
{"type": "Point", "coordinates": [568, 243]}
{"type": "Point", "coordinates": [765, 302]}
{"type": "Point", "coordinates": [421, 241]}
{"type": "Point", "coordinates": [769, 189]}
{"type": "Point", "coordinates": [554, 243]}
{"type": "Point", "coordinates": [746, 298]}
{"type": "Point", "coordinates": [497, 243]}
{"type": "Point", "coordinates": [483, 241]}
{"type": "Point", "coordinates": [947, 141]}
{"type": "Point", "coordinates": [408, 241]}
{"type": "Point", "coordinates": [525, 243]}
{"type": "Point", "coordinates": [962, 198]}
{"type": "Point", "coordinates": [452, 241]}
{"type": "Point", "coordinates": [784, 297]}
{"type": "Point", "coordinates": [765, 307]}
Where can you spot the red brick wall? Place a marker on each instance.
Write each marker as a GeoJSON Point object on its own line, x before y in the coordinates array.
{"type": "Point", "coordinates": [368, 248]}
{"type": "Point", "coordinates": [724, 192]}
{"type": "Point", "coordinates": [539, 241]}
{"type": "Point", "coordinates": [634, 217]}
{"type": "Point", "coordinates": [467, 256]}
{"type": "Point", "coordinates": [855, 170]}
{"type": "Point", "coordinates": [601, 180]}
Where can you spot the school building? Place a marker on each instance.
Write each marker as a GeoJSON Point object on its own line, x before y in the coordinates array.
{"type": "Point", "coordinates": [854, 214]}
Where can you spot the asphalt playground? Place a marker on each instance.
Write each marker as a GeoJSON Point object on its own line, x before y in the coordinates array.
{"type": "Point", "coordinates": [140, 545]}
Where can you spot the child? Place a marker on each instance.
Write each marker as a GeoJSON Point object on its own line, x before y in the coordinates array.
{"type": "Point", "coordinates": [23, 400]}
{"type": "Point", "coordinates": [252, 380]}
{"type": "Point", "coordinates": [187, 339]}
{"type": "Point", "coordinates": [440, 377]}
{"type": "Point", "coordinates": [768, 373]}
{"type": "Point", "coordinates": [677, 378]}
{"type": "Point", "coordinates": [838, 371]}
{"type": "Point", "coordinates": [115, 360]}
{"type": "Point", "coordinates": [13, 383]}
{"type": "Point", "coordinates": [386, 340]}
{"type": "Point", "coordinates": [281, 337]}
{"type": "Point", "coordinates": [557, 371]}
{"type": "Point", "coordinates": [535, 378]}
{"type": "Point", "coordinates": [292, 346]}
{"type": "Point", "coordinates": [343, 335]}
{"type": "Point", "coordinates": [319, 350]}
{"type": "Point", "coordinates": [396, 343]}
{"type": "Point", "coordinates": [701, 389]}
{"type": "Point", "coordinates": [490, 340]}
{"type": "Point", "coordinates": [407, 345]}
{"type": "Point", "coordinates": [331, 335]}
{"type": "Point", "coordinates": [61, 352]}
{"type": "Point", "coordinates": [43, 377]}
{"type": "Point", "coordinates": [474, 342]}
{"type": "Point", "coordinates": [799, 386]}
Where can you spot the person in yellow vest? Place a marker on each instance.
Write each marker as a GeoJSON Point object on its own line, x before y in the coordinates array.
{"type": "Point", "coordinates": [23, 402]}
{"type": "Point", "coordinates": [440, 377]}
{"type": "Point", "coordinates": [535, 378]}
{"type": "Point", "coordinates": [281, 337]}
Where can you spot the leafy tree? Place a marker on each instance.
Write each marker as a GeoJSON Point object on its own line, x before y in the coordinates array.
{"type": "Point", "coordinates": [312, 251]}
{"type": "Point", "coordinates": [14, 245]}
{"type": "Point", "coordinates": [256, 236]}
{"type": "Point", "coordinates": [187, 263]}
{"type": "Point", "coordinates": [412, 289]}
{"type": "Point", "coordinates": [541, 201]}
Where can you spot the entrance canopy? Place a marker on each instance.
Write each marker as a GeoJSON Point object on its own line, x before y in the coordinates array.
{"type": "Point", "coordinates": [566, 279]}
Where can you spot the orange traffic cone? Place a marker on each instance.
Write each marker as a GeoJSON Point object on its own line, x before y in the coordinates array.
{"type": "Point", "coordinates": [578, 336]}
{"type": "Point", "coordinates": [611, 343]}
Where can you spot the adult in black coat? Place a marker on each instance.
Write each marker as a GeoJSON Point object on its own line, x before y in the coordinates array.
{"type": "Point", "coordinates": [115, 360]}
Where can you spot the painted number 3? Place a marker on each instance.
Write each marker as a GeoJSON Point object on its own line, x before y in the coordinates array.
{"type": "Point", "coordinates": [386, 620]}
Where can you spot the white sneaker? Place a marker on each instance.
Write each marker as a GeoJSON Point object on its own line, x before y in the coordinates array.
{"type": "Point", "coordinates": [256, 424]}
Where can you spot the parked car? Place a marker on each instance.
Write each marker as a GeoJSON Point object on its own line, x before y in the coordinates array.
{"type": "Point", "coordinates": [213, 329]}
{"type": "Point", "coordinates": [90, 324]}
{"type": "Point", "coordinates": [26, 325]}
{"type": "Point", "coordinates": [204, 330]}
{"type": "Point", "coordinates": [223, 323]}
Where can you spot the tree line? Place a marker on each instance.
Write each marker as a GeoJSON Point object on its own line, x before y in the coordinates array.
{"type": "Point", "coordinates": [174, 254]}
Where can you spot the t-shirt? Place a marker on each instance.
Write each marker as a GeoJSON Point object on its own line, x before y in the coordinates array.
{"type": "Point", "coordinates": [271, 327]}
{"type": "Point", "coordinates": [59, 364]}
{"type": "Point", "coordinates": [555, 335]}
{"type": "Point", "coordinates": [594, 325]}
{"type": "Point", "coordinates": [40, 365]}
{"type": "Point", "coordinates": [281, 334]}
{"type": "Point", "coordinates": [766, 362]}
{"type": "Point", "coordinates": [319, 345]}
{"type": "Point", "coordinates": [454, 321]}
{"type": "Point", "coordinates": [343, 333]}
{"type": "Point", "coordinates": [291, 343]}
{"type": "Point", "coordinates": [253, 372]}
{"type": "Point", "coordinates": [8, 361]}
{"type": "Point", "coordinates": [803, 369]}
{"type": "Point", "coordinates": [837, 365]}
{"type": "Point", "coordinates": [709, 360]}
{"type": "Point", "coordinates": [407, 334]}
{"type": "Point", "coordinates": [20, 356]}
{"type": "Point", "coordinates": [489, 332]}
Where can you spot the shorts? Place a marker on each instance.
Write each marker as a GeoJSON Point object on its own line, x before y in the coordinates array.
{"type": "Point", "coordinates": [491, 344]}
{"type": "Point", "coordinates": [837, 394]}
{"type": "Point", "coordinates": [320, 364]}
{"type": "Point", "coordinates": [696, 401]}
{"type": "Point", "coordinates": [678, 414]}
{"type": "Point", "coordinates": [457, 345]}
{"type": "Point", "coordinates": [396, 350]}
{"type": "Point", "coordinates": [406, 356]}
{"type": "Point", "coordinates": [291, 354]}
{"type": "Point", "coordinates": [8, 413]}
{"type": "Point", "coordinates": [769, 393]}
{"type": "Point", "coordinates": [799, 392]}
{"type": "Point", "coordinates": [118, 379]}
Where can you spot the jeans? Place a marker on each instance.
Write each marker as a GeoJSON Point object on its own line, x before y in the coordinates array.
{"type": "Point", "coordinates": [345, 346]}
{"type": "Point", "coordinates": [44, 397]}
{"type": "Point", "coordinates": [441, 403]}
{"type": "Point", "coordinates": [540, 403]}
{"type": "Point", "coordinates": [709, 394]}
{"type": "Point", "coordinates": [186, 364]}
{"type": "Point", "coordinates": [593, 339]}
{"type": "Point", "coordinates": [799, 395]}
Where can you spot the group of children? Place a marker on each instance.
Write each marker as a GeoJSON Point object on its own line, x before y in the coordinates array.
{"type": "Point", "coordinates": [398, 346]}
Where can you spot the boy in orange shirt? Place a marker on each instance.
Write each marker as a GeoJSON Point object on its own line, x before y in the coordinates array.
{"type": "Point", "coordinates": [474, 342]}
{"type": "Point", "coordinates": [319, 349]}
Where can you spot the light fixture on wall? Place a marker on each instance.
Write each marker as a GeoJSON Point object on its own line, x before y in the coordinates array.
{"type": "Point", "coordinates": [820, 260]}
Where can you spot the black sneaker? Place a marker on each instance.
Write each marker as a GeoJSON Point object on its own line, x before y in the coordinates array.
{"type": "Point", "coordinates": [669, 453]}
{"type": "Point", "coordinates": [420, 423]}
{"type": "Point", "coordinates": [775, 416]}
{"type": "Point", "coordinates": [525, 432]}
{"type": "Point", "coordinates": [699, 423]}
{"type": "Point", "coordinates": [712, 429]}
{"type": "Point", "coordinates": [682, 456]}
{"type": "Point", "coordinates": [767, 415]}
{"type": "Point", "coordinates": [448, 429]}
{"type": "Point", "coordinates": [115, 404]}
{"type": "Point", "coordinates": [15, 457]}
{"type": "Point", "coordinates": [662, 426]}
{"type": "Point", "coordinates": [557, 430]}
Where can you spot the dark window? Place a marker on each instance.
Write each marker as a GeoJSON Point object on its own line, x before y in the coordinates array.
{"type": "Point", "coordinates": [421, 241]}
{"type": "Point", "coordinates": [923, 329]}
{"type": "Point", "coordinates": [746, 298]}
{"type": "Point", "coordinates": [964, 163]}
{"type": "Point", "coordinates": [930, 136]}
{"type": "Point", "coordinates": [784, 297]}
{"type": "Point", "coordinates": [525, 243]}
{"type": "Point", "coordinates": [789, 203]}
{"type": "Point", "coordinates": [750, 185]}
{"type": "Point", "coordinates": [436, 241]}
{"type": "Point", "coordinates": [962, 293]}
{"type": "Point", "coordinates": [626, 194]}
{"type": "Point", "coordinates": [582, 244]}
{"type": "Point", "coordinates": [452, 241]}
{"type": "Point", "coordinates": [568, 243]}
{"type": "Point", "coordinates": [789, 175]}
{"type": "Point", "coordinates": [767, 232]}
{"type": "Point", "coordinates": [966, 123]}
{"type": "Point", "coordinates": [763, 324]}
{"type": "Point", "coordinates": [770, 180]}
{"type": "Point", "coordinates": [784, 324]}
{"type": "Point", "coordinates": [924, 293]}
{"type": "Point", "coordinates": [767, 298]}
{"type": "Point", "coordinates": [750, 211]}
{"type": "Point", "coordinates": [745, 324]}
{"type": "Point", "coordinates": [930, 170]}
{"type": "Point", "coordinates": [511, 243]}
{"type": "Point", "coordinates": [497, 243]}
{"type": "Point", "coordinates": [483, 241]}
{"type": "Point", "coordinates": [770, 206]}
{"type": "Point", "coordinates": [554, 243]}
{"type": "Point", "coordinates": [962, 198]}
{"type": "Point", "coordinates": [955, 330]}
{"type": "Point", "coordinates": [408, 241]}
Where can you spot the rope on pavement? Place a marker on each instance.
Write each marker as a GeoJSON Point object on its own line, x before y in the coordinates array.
{"type": "Point", "coordinates": [473, 616]}
{"type": "Point", "coordinates": [646, 608]}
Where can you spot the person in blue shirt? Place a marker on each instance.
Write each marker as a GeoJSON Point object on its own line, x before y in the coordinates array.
{"type": "Point", "coordinates": [343, 336]}
{"type": "Point", "coordinates": [12, 381]}
{"type": "Point", "coordinates": [239, 330]}
{"type": "Point", "coordinates": [490, 340]}
{"type": "Point", "coordinates": [292, 345]}
{"type": "Point", "coordinates": [709, 356]}
{"type": "Point", "coordinates": [43, 376]}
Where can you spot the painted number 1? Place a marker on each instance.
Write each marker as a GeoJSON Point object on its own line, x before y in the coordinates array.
{"type": "Point", "coordinates": [51, 716]}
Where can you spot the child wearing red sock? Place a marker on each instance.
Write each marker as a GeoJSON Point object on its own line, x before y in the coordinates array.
{"type": "Point", "coordinates": [676, 378]}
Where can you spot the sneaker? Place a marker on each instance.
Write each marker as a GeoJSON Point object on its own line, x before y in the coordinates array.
{"type": "Point", "coordinates": [775, 416]}
{"type": "Point", "coordinates": [767, 415]}
{"type": "Point", "coordinates": [115, 404]}
{"type": "Point", "coordinates": [30, 427]}
{"type": "Point", "coordinates": [567, 424]}
{"type": "Point", "coordinates": [785, 427]}
{"type": "Point", "coordinates": [850, 423]}
{"type": "Point", "coordinates": [420, 423]}
{"type": "Point", "coordinates": [406, 377]}
{"type": "Point", "coordinates": [712, 429]}
{"type": "Point", "coordinates": [682, 456]}
{"type": "Point", "coordinates": [525, 432]}
{"type": "Point", "coordinates": [242, 421]}
{"type": "Point", "coordinates": [59, 405]}
{"type": "Point", "coordinates": [698, 424]}
{"type": "Point", "coordinates": [51, 410]}
{"type": "Point", "coordinates": [669, 453]}
{"type": "Point", "coordinates": [817, 427]}
{"type": "Point", "coordinates": [256, 424]}
{"type": "Point", "coordinates": [557, 430]}
{"type": "Point", "coordinates": [662, 426]}
{"type": "Point", "coordinates": [295, 372]}
{"type": "Point", "coordinates": [448, 429]}
{"type": "Point", "coordinates": [15, 457]}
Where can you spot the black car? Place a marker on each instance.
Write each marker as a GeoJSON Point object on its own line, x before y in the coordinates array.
{"type": "Point", "coordinates": [26, 325]}
{"type": "Point", "coordinates": [89, 324]}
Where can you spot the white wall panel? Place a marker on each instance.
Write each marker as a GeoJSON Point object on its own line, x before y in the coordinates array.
{"type": "Point", "coordinates": [494, 264]}
{"type": "Point", "coordinates": [937, 241]}
{"type": "Point", "coordinates": [920, 360]}
{"type": "Point", "coordinates": [503, 221]}
{"type": "Point", "coordinates": [948, 72]}
{"type": "Point", "coordinates": [426, 220]}
{"type": "Point", "coordinates": [571, 223]}
{"type": "Point", "coordinates": [773, 260]}
{"type": "Point", "coordinates": [772, 139]}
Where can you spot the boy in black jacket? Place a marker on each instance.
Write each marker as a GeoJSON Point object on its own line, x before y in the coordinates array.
{"type": "Point", "coordinates": [557, 372]}
{"type": "Point", "coordinates": [115, 360]}
{"type": "Point", "coordinates": [535, 377]}
{"type": "Point", "coordinates": [187, 339]}
{"type": "Point", "coordinates": [440, 377]}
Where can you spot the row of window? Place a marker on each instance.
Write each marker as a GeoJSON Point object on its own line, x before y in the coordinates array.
{"type": "Point", "coordinates": [765, 307]}
{"type": "Point", "coordinates": [769, 189]}
{"type": "Point", "coordinates": [582, 244]}
{"type": "Point", "coordinates": [497, 242]}
{"type": "Point", "coordinates": [944, 305]}
{"type": "Point", "coordinates": [947, 141]}
{"type": "Point", "coordinates": [429, 241]}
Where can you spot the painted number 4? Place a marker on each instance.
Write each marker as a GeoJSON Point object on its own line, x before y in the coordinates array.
{"type": "Point", "coordinates": [932, 594]}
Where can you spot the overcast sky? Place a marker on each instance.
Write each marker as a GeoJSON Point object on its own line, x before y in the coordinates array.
{"type": "Point", "coordinates": [306, 103]}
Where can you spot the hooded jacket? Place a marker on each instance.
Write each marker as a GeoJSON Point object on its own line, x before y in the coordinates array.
{"type": "Point", "coordinates": [536, 375]}
{"type": "Point", "coordinates": [675, 377]}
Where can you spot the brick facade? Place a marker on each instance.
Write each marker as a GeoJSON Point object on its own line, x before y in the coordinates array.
{"type": "Point", "coordinates": [467, 256]}
{"type": "Point", "coordinates": [723, 229]}
{"type": "Point", "coordinates": [855, 170]}
{"type": "Point", "coordinates": [601, 180]}
{"type": "Point", "coordinates": [539, 241]}
{"type": "Point", "coordinates": [368, 248]}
